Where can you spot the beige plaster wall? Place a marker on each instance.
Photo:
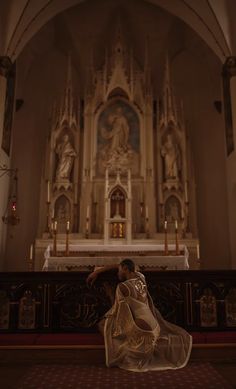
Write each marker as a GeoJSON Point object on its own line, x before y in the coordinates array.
{"type": "Point", "coordinates": [198, 80]}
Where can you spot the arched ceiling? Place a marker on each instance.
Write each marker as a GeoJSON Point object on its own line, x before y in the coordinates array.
{"type": "Point", "coordinates": [22, 19]}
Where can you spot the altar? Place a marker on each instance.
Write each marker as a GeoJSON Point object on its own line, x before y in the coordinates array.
{"type": "Point", "coordinates": [83, 257]}
{"type": "Point", "coordinates": [105, 190]}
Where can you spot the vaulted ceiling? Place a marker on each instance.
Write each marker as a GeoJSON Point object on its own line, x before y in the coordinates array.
{"type": "Point", "coordinates": [210, 19]}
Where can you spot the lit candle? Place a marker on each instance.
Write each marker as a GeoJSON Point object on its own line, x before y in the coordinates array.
{"type": "Point", "coordinates": [31, 252]}
{"type": "Point", "coordinates": [87, 215]}
{"type": "Point", "coordinates": [48, 193]}
{"type": "Point", "coordinates": [198, 251]}
{"type": "Point", "coordinates": [55, 226]}
{"type": "Point", "coordinates": [176, 224]}
{"type": "Point", "coordinates": [146, 211]}
{"type": "Point", "coordinates": [68, 226]}
{"type": "Point", "coordinates": [165, 225]}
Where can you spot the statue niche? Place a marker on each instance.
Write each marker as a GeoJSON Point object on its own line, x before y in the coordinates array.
{"type": "Point", "coordinates": [62, 213]}
{"type": "Point", "coordinates": [118, 138]}
{"type": "Point", "coordinates": [171, 155]}
{"type": "Point", "coordinates": [65, 158]}
{"type": "Point", "coordinates": [172, 211]}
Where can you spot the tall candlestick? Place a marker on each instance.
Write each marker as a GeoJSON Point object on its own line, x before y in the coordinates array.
{"type": "Point", "coordinates": [48, 192]}
{"type": "Point", "coordinates": [166, 240]}
{"type": "Point", "coordinates": [146, 212]}
{"type": "Point", "coordinates": [55, 239]}
{"type": "Point", "coordinates": [87, 215]}
{"type": "Point", "coordinates": [67, 238]}
{"type": "Point", "coordinates": [176, 239]}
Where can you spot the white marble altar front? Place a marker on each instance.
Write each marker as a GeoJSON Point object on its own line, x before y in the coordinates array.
{"type": "Point", "coordinates": [145, 256]}
{"type": "Point", "coordinates": [93, 252]}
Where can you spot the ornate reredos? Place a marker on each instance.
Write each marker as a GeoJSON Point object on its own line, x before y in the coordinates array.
{"type": "Point", "coordinates": [118, 97]}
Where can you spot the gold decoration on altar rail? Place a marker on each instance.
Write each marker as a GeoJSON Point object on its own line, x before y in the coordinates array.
{"type": "Point", "coordinates": [27, 311]}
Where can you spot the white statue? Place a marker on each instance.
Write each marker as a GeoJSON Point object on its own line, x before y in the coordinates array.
{"type": "Point", "coordinates": [66, 155]}
{"type": "Point", "coordinates": [119, 133]}
{"type": "Point", "coordinates": [171, 154]}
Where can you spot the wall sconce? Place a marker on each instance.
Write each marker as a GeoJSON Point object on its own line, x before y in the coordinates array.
{"type": "Point", "coordinates": [10, 217]}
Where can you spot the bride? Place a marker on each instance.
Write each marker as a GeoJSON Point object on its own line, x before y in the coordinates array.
{"type": "Point", "coordinates": [137, 338]}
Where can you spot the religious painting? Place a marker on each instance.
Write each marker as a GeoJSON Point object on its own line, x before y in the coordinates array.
{"type": "Point", "coordinates": [118, 138]}
{"type": "Point", "coordinates": [9, 111]}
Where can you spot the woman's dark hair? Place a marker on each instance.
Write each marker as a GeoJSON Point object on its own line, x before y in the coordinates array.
{"type": "Point", "coordinates": [129, 264]}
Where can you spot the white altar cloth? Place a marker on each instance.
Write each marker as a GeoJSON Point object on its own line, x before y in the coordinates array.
{"type": "Point", "coordinates": [135, 252]}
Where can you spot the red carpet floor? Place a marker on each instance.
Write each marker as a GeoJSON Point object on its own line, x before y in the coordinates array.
{"type": "Point", "coordinates": [193, 376]}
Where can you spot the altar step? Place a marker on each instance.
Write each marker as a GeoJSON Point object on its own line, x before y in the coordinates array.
{"type": "Point", "coordinates": [89, 348]}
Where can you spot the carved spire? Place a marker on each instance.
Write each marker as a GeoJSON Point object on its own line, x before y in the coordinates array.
{"type": "Point", "coordinates": [67, 114]}
{"type": "Point", "coordinates": [147, 67]}
{"type": "Point", "coordinates": [90, 73]}
{"type": "Point", "coordinates": [119, 46]}
{"type": "Point", "coordinates": [169, 113]}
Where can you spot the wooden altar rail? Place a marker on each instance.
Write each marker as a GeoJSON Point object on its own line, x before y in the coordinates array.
{"type": "Point", "coordinates": [61, 301]}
